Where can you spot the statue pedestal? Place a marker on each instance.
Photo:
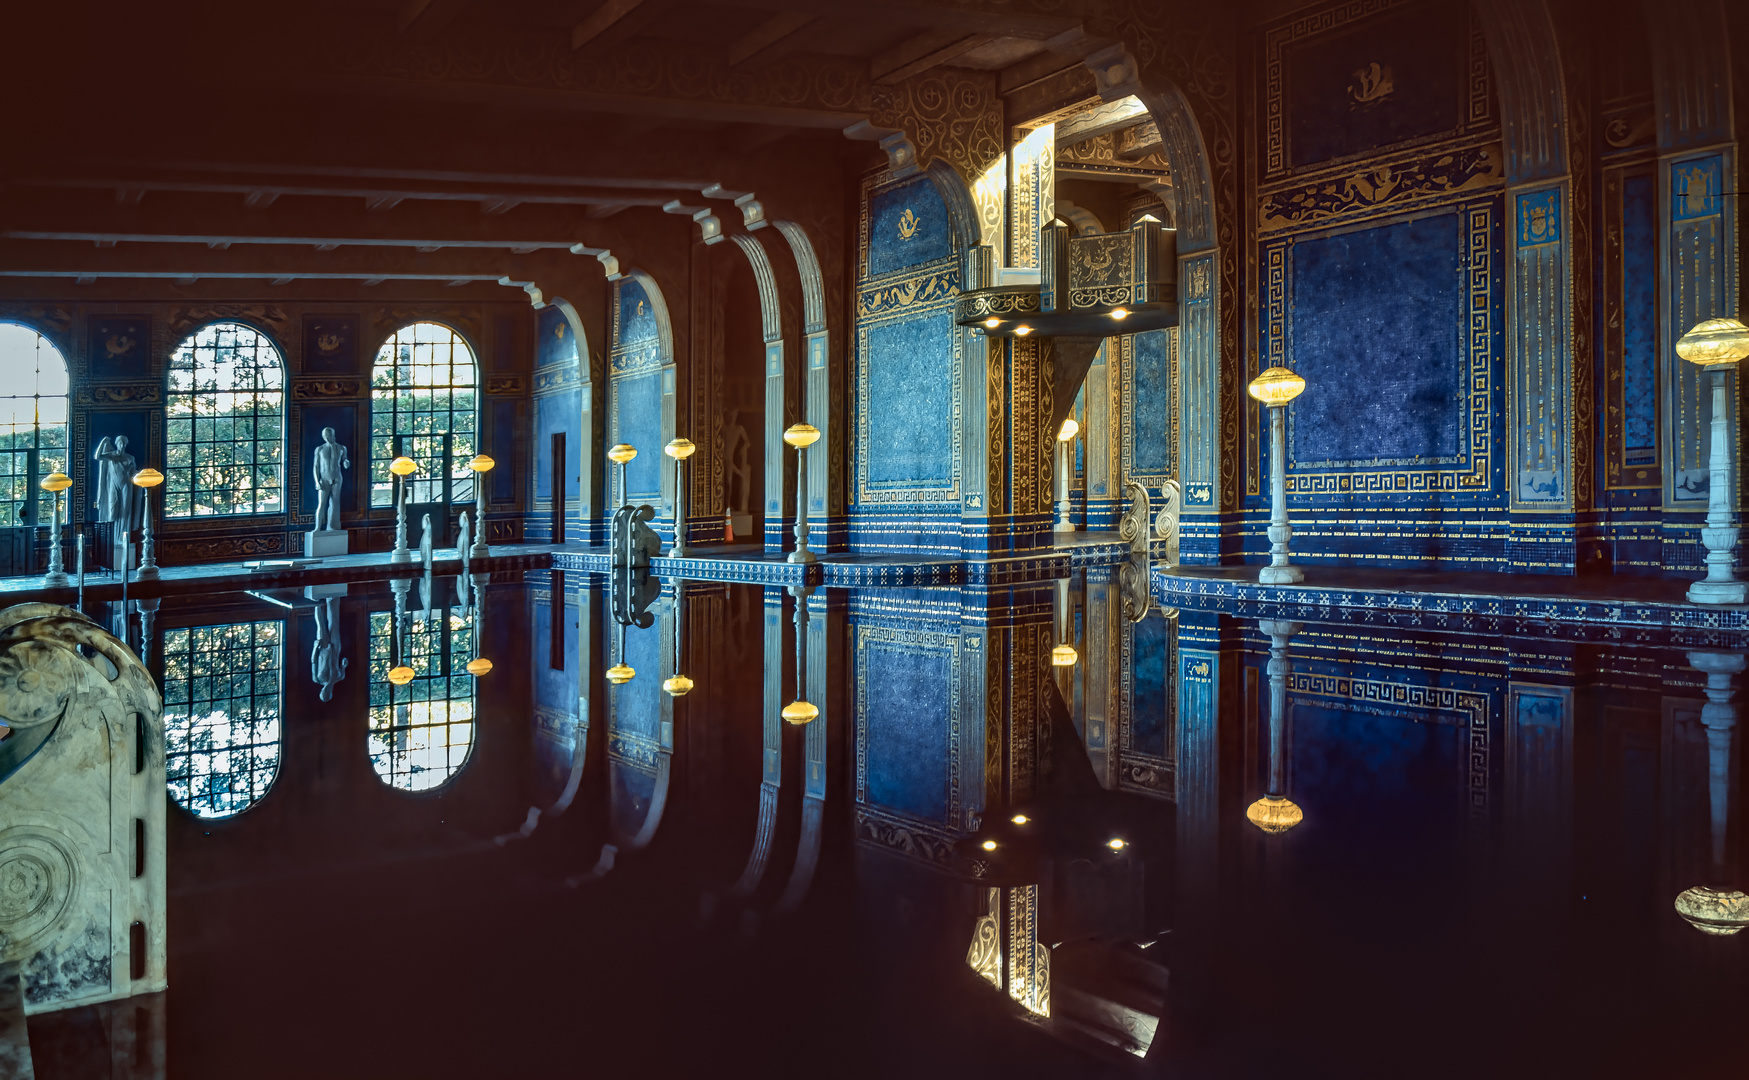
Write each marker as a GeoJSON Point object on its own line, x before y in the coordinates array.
{"type": "Point", "coordinates": [319, 544]}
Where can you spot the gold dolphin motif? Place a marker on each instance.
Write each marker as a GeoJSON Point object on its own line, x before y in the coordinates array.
{"type": "Point", "coordinates": [908, 224]}
{"type": "Point", "coordinates": [1372, 84]}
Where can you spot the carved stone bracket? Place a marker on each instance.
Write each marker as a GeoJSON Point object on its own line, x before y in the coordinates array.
{"type": "Point", "coordinates": [504, 384]}
{"type": "Point", "coordinates": [308, 389]}
{"type": "Point", "coordinates": [137, 393]}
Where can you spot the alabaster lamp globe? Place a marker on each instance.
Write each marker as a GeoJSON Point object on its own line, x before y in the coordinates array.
{"type": "Point", "coordinates": [801, 435]}
{"type": "Point", "coordinates": [478, 666]}
{"type": "Point", "coordinates": [148, 478]}
{"type": "Point", "coordinates": [402, 466]}
{"type": "Point", "coordinates": [622, 453]}
{"type": "Point", "coordinates": [1064, 656]}
{"type": "Point", "coordinates": [1069, 430]}
{"type": "Point", "coordinates": [400, 676]}
{"type": "Point", "coordinates": [680, 449]}
{"type": "Point", "coordinates": [56, 482]}
{"type": "Point", "coordinates": [1714, 342]}
{"type": "Point", "coordinates": [677, 686]}
{"type": "Point", "coordinates": [1276, 386]}
{"type": "Point", "coordinates": [1719, 912]}
{"type": "Point", "coordinates": [481, 463]}
{"type": "Point", "coordinates": [1273, 814]}
{"type": "Point", "coordinates": [620, 674]}
{"type": "Point", "coordinates": [799, 712]}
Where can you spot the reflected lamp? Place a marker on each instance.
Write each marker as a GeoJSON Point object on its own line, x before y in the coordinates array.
{"type": "Point", "coordinates": [620, 674]}
{"type": "Point", "coordinates": [479, 666]}
{"type": "Point", "coordinates": [400, 675]}
{"type": "Point", "coordinates": [678, 686]}
{"type": "Point", "coordinates": [1274, 815]}
{"type": "Point", "coordinates": [800, 711]}
{"type": "Point", "coordinates": [1717, 912]}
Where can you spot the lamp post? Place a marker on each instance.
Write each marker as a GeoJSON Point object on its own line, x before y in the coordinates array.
{"type": "Point", "coordinates": [801, 710]}
{"type": "Point", "coordinates": [801, 436]}
{"type": "Point", "coordinates": [401, 673]}
{"type": "Point", "coordinates": [481, 465]}
{"type": "Point", "coordinates": [1065, 438]}
{"type": "Point", "coordinates": [402, 467]}
{"type": "Point", "coordinates": [1275, 812]}
{"type": "Point", "coordinates": [146, 480]}
{"type": "Point", "coordinates": [679, 450]}
{"type": "Point", "coordinates": [1716, 345]}
{"type": "Point", "coordinates": [55, 483]}
{"type": "Point", "coordinates": [621, 454]}
{"type": "Point", "coordinates": [1276, 387]}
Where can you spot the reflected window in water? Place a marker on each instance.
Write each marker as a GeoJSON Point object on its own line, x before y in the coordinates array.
{"type": "Point", "coordinates": [421, 733]}
{"type": "Point", "coordinates": [221, 715]}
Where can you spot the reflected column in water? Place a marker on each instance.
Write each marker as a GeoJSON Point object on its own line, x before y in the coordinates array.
{"type": "Point", "coordinates": [1275, 812]}
{"type": "Point", "coordinates": [1718, 906]}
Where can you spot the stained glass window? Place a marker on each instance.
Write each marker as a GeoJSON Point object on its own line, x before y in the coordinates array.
{"type": "Point", "coordinates": [222, 688]}
{"type": "Point", "coordinates": [224, 424]}
{"type": "Point", "coordinates": [33, 423]}
{"type": "Point", "coordinates": [423, 395]}
{"type": "Point", "coordinates": [421, 733]}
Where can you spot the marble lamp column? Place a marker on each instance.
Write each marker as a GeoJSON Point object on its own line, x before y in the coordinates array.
{"type": "Point", "coordinates": [56, 578]}
{"type": "Point", "coordinates": [481, 465]}
{"type": "Point", "coordinates": [402, 467]}
{"type": "Point", "coordinates": [801, 436]}
{"type": "Point", "coordinates": [147, 479]}
{"type": "Point", "coordinates": [1717, 345]}
{"type": "Point", "coordinates": [801, 710]}
{"type": "Point", "coordinates": [1276, 387]}
{"type": "Point", "coordinates": [1065, 439]}
{"type": "Point", "coordinates": [679, 450]}
{"type": "Point", "coordinates": [619, 455]}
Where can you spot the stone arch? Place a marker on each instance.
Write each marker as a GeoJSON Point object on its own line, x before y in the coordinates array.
{"type": "Point", "coordinates": [825, 501]}
{"type": "Point", "coordinates": [779, 501]}
{"type": "Point", "coordinates": [1207, 381]}
{"type": "Point", "coordinates": [557, 379]}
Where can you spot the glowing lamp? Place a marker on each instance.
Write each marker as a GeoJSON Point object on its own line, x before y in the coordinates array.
{"type": "Point", "coordinates": [992, 322]}
{"type": "Point", "coordinates": [57, 481]}
{"type": "Point", "coordinates": [1274, 815]}
{"type": "Point", "coordinates": [988, 845]}
{"type": "Point", "coordinates": [1064, 656]}
{"type": "Point", "coordinates": [678, 686]}
{"type": "Point", "coordinates": [481, 463]}
{"type": "Point", "coordinates": [800, 435]}
{"type": "Point", "coordinates": [148, 478]}
{"type": "Point", "coordinates": [619, 674]}
{"type": "Point", "coordinates": [402, 466]}
{"type": "Point", "coordinates": [400, 676]}
{"type": "Point", "coordinates": [1120, 314]}
{"type": "Point", "coordinates": [1714, 341]}
{"type": "Point", "coordinates": [1020, 819]}
{"type": "Point", "coordinates": [1069, 430]}
{"type": "Point", "coordinates": [680, 449]}
{"type": "Point", "coordinates": [1116, 844]}
{"type": "Point", "coordinates": [622, 453]}
{"type": "Point", "coordinates": [1022, 330]}
{"type": "Point", "coordinates": [799, 712]}
{"type": "Point", "coordinates": [1276, 386]}
{"type": "Point", "coordinates": [1719, 912]}
{"type": "Point", "coordinates": [478, 666]}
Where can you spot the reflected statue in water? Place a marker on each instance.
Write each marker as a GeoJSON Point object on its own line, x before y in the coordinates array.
{"type": "Point", "coordinates": [327, 666]}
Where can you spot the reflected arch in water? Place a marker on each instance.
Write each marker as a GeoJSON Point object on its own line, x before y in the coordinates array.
{"type": "Point", "coordinates": [222, 698]}
{"type": "Point", "coordinates": [422, 733]}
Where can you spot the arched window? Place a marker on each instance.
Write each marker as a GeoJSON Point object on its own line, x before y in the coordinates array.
{"type": "Point", "coordinates": [33, 421]}
{"type": "Point", "coordinates": [422, 404]}
{"type": "Point", "coordinates": [221, 715]}
{"type": "Point", "coordinates": [421, 733]}
{"type": "Point", "coordinates": [224, 432]}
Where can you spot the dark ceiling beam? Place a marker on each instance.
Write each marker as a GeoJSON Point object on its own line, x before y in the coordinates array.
{"type": "Point", "coordinates": [927, 50]}
{"type": "Point", "coordinates": [601, 20]}
{"type": "Point", "coordinates": [182, 169]}
{"type": "Point", "coordinates": [1002, 21]}
{"type": "Point", "coordinates": [764, 40]}
{"type": "Point", "coordinates": [506, 96]}
{"type": "Point", "coordinates": [261, 194]}
{"type": "Point", "coordinates": [424, 19]}
{"type": "Point", "coordinates": [322, 243]}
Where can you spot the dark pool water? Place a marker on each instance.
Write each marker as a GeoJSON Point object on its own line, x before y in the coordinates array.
{"type": "Point", "coordinates": [534, 872]}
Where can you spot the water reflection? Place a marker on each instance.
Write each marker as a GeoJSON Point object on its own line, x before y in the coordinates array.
{"type": "Point", "coordinates": [421, 732]}
{"type": "Point", "coordinates": [222, 692]}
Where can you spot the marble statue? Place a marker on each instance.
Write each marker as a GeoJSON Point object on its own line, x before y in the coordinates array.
{"type": "Point", "coordinates": [330, 459]}
{"type": "Point", "coordinates": [117, 499]}
{"type": "Point", "coordinates": [327, 469]}
{"type": "Point", "coordinates": [327, 666]}
{"type": "Point", "coordinates": [77, 700]}
{"type": "Point", "coordinates": [425, 542]}
{"type": "Point", "coordinates": [738, 477]}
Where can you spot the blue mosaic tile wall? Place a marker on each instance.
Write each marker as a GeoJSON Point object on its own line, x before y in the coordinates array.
{"type": "Point", "coordinates": [907, 713]}
{"type": "Point", "coordinates": [1151, 451]}
{"type": "Point", "coordinates": [1640, 319]}
{"type": "Point", "coordinates": [635, 356]}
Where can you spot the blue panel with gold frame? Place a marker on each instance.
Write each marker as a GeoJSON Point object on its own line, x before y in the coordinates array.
{"type": "Point", "coordinates": [119, 345]}
{"type": "Point", "coordinates": [330, 344]}
{"type": "Point", "coordinates": [1696, 188]}
{"type": "Point", "coordinates": [1539, 218]}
